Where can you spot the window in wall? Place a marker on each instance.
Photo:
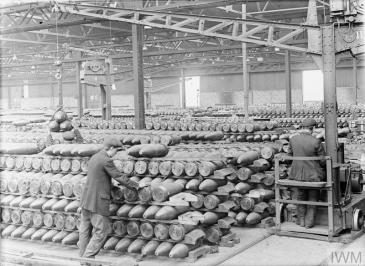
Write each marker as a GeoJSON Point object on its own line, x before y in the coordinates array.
{"type": "Point", "coordinates": [192, 91]}
{"type": "Point", "coordinates": [312, 86]}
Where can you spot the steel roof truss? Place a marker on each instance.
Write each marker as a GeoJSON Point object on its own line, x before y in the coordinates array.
{"type": "Point", "coordinates": [218, 27]}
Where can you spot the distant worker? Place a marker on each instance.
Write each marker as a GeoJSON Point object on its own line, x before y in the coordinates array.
{"type": "Point", "coordinates": [305, 145]}
{"type": "Point", "coordinates": [95, 199]}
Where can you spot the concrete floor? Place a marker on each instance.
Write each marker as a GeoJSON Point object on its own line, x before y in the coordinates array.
{"type": "Point", "coordinates": [283, 251]}
{"type": "Point", "coordinates": [354, 252]}
{"type": "Point", "coordinates": [257, 247]}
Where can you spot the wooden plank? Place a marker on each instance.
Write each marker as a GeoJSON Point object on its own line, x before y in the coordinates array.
{"type": "Point", "coordinates": [317, 229]}
{"type": "Point", "coordinates": [197, 253]}
{"type": "Point", "coordinates": [315, 203]}
{"type": "Point", "coordinates": [286, 182]}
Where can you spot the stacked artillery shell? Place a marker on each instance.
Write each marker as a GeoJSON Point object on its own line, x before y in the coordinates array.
{"type": "Point", "coordinates": [253, 185]}
{"type": "Point", "coordinates": [44, 206]}
{"type": "Point", "coordinates": [40, 195]}
{"type": "Point", "coordinates": [149, 224]}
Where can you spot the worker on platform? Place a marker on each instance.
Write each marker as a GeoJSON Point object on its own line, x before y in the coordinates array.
{"type": "Point", "coordinates": [95, 199]}
{"type": "Point", "coordinates": [305, 145]}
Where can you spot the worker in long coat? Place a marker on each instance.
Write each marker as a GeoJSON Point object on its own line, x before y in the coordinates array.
{"type": "Point", "coordinates": [305, 145]}
{"type": "Point", "coordinates": [95, 198]}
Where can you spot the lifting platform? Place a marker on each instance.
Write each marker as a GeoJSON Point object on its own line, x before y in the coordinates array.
{"type": "Point", "coordinates": [340, 218]}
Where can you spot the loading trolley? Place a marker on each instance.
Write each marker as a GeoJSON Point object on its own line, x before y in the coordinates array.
{"type": "Point", "coordinates": [339, 218]}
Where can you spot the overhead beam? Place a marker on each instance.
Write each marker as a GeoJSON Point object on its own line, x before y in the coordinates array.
{"type": "Point", "coordinates": [25, 41]}
{"type": "Point", "coordinates": [52, 24]}
{"type": "Point", "coordinates": [195, 24]}
{"type": "Point", "coordinates": [48, 25]}
{"type": "Point", "coordinates": [43, 32]}
{"type": "Point", "coordinates": [146, 54]}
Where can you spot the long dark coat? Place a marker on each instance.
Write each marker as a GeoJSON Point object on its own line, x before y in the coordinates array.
{"type": "Point", "coordinates": [96, 193]}
{"type": "Point", "coordinates": [305, 145]}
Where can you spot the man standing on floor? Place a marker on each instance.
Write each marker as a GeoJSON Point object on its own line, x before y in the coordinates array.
{"type": "Point", "coordinates": [305, 145]}
{"type": "Point", "coordinates": [95, 200]}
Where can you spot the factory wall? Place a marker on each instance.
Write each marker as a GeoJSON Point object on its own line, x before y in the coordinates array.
{"type": "Point", "coordinates": [265, 87]}
{"type": "Point", "coordinates": [268, 87]}
{"type": "Point", "coordinates": [46, 95]}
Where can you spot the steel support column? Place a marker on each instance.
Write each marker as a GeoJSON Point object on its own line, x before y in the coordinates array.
{"type": "Point", "coordinates": [148, 100]}
{"type": "Point", "coordinates": [60, 89]}
{"type": "Point", "coordinates": [137, 45]}
{"type": "Point", "coordinates": [105, 95]}
{"type": "Point", "coordinates": [245, 76]}
{"type": "Point", "coordinates": [9, 98]}
{"type": "Point", "coordinates": [354, 77]}
{"type": "Point", "coordinates": [288, 103]}
{"type": "Point", "coordinates": [330, 99]}
{"type": "Point", "coordinates": [79, 87]}
{"type": "Point", "coordinates": [183, 89]}
{"type": "Point", "coordinates": [106, 98]}
{"type": "Point", "coordinates": [86, 103]}
{"type": "Point", "coordinates": [52, 95]}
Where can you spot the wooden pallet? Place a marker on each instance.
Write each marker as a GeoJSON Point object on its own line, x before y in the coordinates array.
{"type": "Point", "coordinates": [266, 223]}
{"type": "Point", "coordinates": [229, 240]}
{"type": "Point", "coordinates": [318, 232]}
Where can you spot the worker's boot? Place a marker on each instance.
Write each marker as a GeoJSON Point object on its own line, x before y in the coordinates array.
{"type": "Point", "coordinates": [311, 209]}
{"type": "Point", "coordinates": [301, 215]}
{"type": "Point", "coordinates": [310, 216]}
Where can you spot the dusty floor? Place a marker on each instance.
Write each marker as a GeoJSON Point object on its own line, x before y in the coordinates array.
{"type": "Point", "coordinates": [257, 247]}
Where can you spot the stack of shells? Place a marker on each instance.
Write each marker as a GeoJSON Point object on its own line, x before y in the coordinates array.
{"type": "Point", "coordinates": [241, 184]}
{"type": "Point", "coordinates": [229, 191]}
{"type": "Point", "coordinates": [40, 197]}
{"type": "Point", "coordinates": [150, 222]}
{"type": "Point", "coordinates": [44, 205]}
{"type": "Point", "coordinates": [251, 185]}
{"type": "Point", "coordinates": [41, 202]}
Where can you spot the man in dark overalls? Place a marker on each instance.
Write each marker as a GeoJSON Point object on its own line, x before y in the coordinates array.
{"type": "Point", "coordinates": [95, 199]}
{"type": "Point", "coordinates": [305, 145]}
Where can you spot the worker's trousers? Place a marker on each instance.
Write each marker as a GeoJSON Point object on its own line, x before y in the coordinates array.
{"type": "Point", "coordinates": [306, 212]}
{"type": "Point", "coordinates": [93, 231]}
